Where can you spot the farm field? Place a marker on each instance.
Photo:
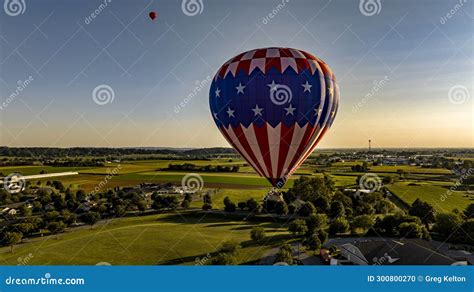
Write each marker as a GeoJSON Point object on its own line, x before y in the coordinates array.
{"type": "Point", "coordinates": [148, 240]}
{"type": "Point", "coordinates": [431, 192]}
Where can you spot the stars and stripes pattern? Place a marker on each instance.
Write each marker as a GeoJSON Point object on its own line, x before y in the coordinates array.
{"type": "Point", "coordinates": [275, 135]}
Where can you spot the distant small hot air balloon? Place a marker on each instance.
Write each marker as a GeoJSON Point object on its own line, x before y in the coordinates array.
{"type": "Point", "coordinates": [152, 15]}
{"type": "Point", "coordinates": [274, 105]}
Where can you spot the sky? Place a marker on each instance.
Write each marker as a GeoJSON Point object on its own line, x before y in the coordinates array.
{"type": "Point", "coordinates": [404, 70]}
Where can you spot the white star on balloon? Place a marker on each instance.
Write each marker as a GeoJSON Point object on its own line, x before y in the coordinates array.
{"type": "Point", "coordinates": [218, 92]}
{"type": "Point", "coordinates": [257, 110]}
{"type": "Point", "coordinates": [240, 88]}
{"type": "Point", "coordinates": [272, 86]}
{"type": "Point", "coordinates": [290, 110]}
{"type": "Point", "coordinates": [307, 86]}
{"type": "Point", "coordinates": [230, 112]}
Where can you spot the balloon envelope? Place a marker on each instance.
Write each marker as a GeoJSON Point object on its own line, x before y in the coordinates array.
{"type": "Point", "coordinates": [152, 15]}
{"type": "Point", "coordinates": [274, 105]}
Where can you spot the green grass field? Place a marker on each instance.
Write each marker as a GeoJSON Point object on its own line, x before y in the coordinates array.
{"type": "Point", "coordinates": [148, 240]}
{"type": "Point", "coordinates": [433, 193]}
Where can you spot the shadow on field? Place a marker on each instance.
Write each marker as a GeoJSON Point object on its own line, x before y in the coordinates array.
{"type": "Point", "coordinates": [185, 260]}
{"type": "Point", "coordinates": [214, 220]}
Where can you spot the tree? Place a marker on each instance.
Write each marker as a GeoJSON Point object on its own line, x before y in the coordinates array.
{"type": "Point", "coordinates": [91, 218]}
{"type": "Point", "coordinates": [315, 222]}
{"type": "Point", "coordinates": [387, 180]}
{"type": "Point", "coordinates": [141, 205]}
{"type": "Point", "coordinates": [314, 242]}
{"type": "Point", "coordinates": [26, 228]}
{"type": "Point", "coordinates": [229, 206]}
{"type": "Point", "coordinates": [363, 222]}
{"type": "Point", "coordinates": [207, 199]}
{"type": "Point", "coordinates": [224, 259]}
{"type": "Point", "coordinates": [230, 247]}
{"type": "Point", "coordinates": [447, 223]}
{"type": "Point", "coordinates": [187, 201]}
{"type": "Point", "coordinates": [469, 212]}
{"type": "Point", "coordinates": [165, 202]}
{"type": "Point", "coordinates": [422, 210]}
{"type": "Point", "coordinates": [307, 209]}
{"type": "Point", "coordinates": [298, 227]}
{"type": "Point", "coordinates": [252, 204]}
{"type": "Point", "coordinates": [206, 206]}
{"type": "Point", "coordinates": [410, 230]}
{"type": "Point", "coordinates": [322, 235]}
{"type": "Point", "coordinates": [400, 173]}
{"type": "Point", "coordinates": [25, 211]}
{"type": "Point", "coordinates": [257, 233]}
{"type": "Point", "coordinates": [281, 208]}
{"type": "Point", "coordinates": [11, 238]}
{"type": "Point", "coordinates": [339, 225]}
{"type": "Point", "coordinates": [285, 254]}
{"type": "Point", "coordinates": [242, 205]}
{"type": "Point", "coordinates": [56, 227]}
{"type": "Point", "coordinates": [337, 209]}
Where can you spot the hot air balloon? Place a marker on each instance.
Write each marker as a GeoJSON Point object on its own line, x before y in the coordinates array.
{"type": "Point", "coordinates": [152, 15]}
{"type": "Point", "coordinates": [274, 105]}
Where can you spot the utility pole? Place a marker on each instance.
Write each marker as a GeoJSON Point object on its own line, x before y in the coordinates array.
{"type": "Point", "coordinates": [369, 144]}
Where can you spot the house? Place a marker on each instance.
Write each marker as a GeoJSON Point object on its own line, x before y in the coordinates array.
{"type": "Point", "coordinates": [387, 251]}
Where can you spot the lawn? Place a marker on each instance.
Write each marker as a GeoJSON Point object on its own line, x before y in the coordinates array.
{"type": "Point", "coordinates": [147, 240]}
{"type": "Point", "coordinates": [236, 196]}
{"type": "Point", "coordinates": [433, 193]}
